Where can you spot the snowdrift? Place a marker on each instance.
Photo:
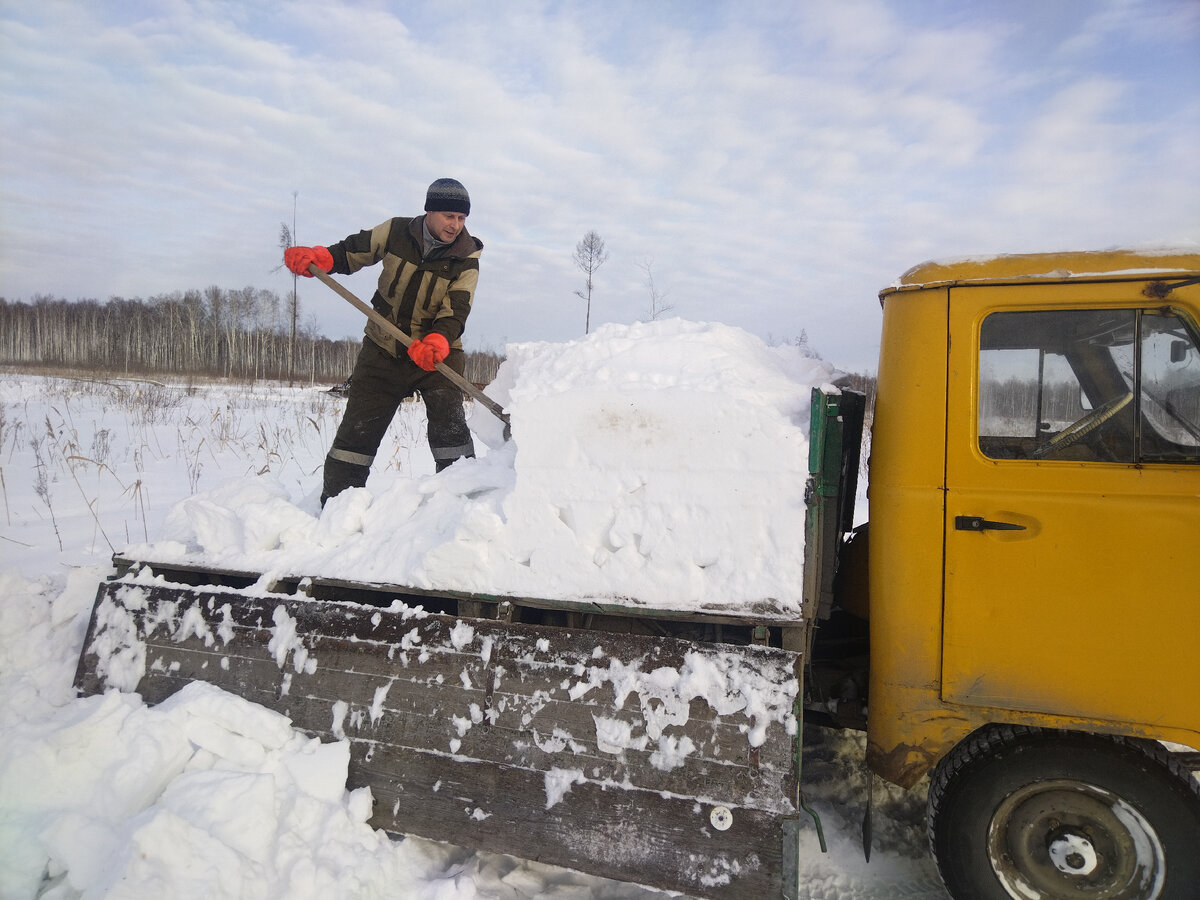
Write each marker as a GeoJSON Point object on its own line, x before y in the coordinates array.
{"type": "Point", "coordinates": [658, 464]}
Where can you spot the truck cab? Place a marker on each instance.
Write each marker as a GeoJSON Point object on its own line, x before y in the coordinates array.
{"type": "Point", "coordinates": [1034, 574]}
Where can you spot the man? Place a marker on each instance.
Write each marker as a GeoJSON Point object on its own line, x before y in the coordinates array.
{"type": "Point", "coordinates": [426, 287]}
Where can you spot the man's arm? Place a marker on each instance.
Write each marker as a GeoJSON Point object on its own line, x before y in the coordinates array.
{"type": "Point", "coordinates": [361, 250]}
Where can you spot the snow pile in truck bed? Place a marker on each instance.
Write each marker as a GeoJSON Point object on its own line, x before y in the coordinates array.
{"type": "Point", "coordinates": [659, 464]}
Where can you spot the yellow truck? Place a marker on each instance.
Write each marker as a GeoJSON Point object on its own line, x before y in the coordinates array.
{"type": "Point", "coordinates": [1017, 621]}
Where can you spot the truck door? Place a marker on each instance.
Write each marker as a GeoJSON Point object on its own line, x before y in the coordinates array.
{"type": "Point", "coordinates": [1072, 532]}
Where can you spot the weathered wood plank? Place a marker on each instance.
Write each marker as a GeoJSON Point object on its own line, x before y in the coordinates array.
{"type": "Point", "coordinates": [495, 702]}
{"type": "Point", "coordinates": [630, 835]}
{"type": "Point", "coordinates": [571, 745]}
{"type": "Point", "coordinates": [505, 689]}
{"type": "Point", "coordinates": [452, 719]}
{"type": "Point", "coordinates": [380, 594]}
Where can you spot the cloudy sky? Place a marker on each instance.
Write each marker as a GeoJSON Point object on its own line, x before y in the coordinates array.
{"type": "Point", "coordinates": [768, 164]}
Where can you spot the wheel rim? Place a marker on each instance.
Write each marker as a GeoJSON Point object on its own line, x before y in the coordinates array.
{"type": "Point", "coordinates": [1067, 838]}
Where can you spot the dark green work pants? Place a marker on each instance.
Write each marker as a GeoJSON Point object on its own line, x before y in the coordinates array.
{"type": "Point", "coordinates": [377, 386]}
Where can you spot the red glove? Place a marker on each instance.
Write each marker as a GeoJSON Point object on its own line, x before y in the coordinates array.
{"type": "Point", "coordinates": [298, 259]}
{"type": "Point", "coordinates": [429, 352]}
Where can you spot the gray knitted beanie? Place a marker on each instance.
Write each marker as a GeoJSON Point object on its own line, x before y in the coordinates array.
{"type": "Point", "coordinates": [448, 195]}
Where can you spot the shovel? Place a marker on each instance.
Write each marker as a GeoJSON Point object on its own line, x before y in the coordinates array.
{"type": "Point", "coordinates": [469, 389]}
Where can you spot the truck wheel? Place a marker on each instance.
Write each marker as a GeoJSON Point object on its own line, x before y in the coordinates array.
{"type": "Point", "coordinates": [1027, 813]}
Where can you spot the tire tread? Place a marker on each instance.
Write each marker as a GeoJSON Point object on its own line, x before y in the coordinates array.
{"type": "Point", "coordinates": [990, 739]}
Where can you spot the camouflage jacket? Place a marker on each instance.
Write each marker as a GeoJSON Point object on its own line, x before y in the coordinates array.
{"type": "Point", "coordinates": [421, 294]}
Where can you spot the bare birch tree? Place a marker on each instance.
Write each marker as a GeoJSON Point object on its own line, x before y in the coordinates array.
{"type": "Point", "coordinates": [590, 255]}
{"type": "Point", "coordinates": [658, 298]}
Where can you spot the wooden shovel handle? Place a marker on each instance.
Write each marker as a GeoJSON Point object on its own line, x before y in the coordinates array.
{"type": "Point", "coordinates": [492, 406]}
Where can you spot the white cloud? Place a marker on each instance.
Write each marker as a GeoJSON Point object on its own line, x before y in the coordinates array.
{"type": "Point", "coordinates": [778, 162]}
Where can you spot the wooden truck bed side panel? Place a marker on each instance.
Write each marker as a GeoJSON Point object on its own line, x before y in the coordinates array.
{"type": "Point", "coordinates": [616, 755]}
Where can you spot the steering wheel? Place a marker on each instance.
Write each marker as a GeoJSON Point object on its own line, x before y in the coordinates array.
{"type": "Point", "coordinates": [1084, 426]}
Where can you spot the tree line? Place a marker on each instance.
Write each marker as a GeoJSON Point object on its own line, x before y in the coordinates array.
{"type": "Point", "coordinates": [1023, 399]}
{"type": "Point", "coordinates": [238, 334]}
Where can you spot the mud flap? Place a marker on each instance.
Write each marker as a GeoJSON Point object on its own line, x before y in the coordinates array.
{"type": "Point", "coordinates": [652, 760]}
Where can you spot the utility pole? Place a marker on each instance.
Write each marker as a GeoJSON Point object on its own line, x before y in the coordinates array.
{"type": "Point", "coordinates": [295, 303]}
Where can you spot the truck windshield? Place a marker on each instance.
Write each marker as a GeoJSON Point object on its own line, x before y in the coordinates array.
{"type": "Point", "coordinates": [1117, 386]}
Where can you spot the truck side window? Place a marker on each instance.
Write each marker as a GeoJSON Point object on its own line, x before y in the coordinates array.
{"type": "Point", "coordinates": [1117, 386]}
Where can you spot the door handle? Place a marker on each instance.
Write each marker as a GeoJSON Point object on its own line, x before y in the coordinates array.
{"type": "Point", "coordinates": [979, 523]}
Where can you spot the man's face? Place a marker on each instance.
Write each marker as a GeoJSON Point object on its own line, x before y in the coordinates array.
{"type": "Point", "coordinates": [445, 226]}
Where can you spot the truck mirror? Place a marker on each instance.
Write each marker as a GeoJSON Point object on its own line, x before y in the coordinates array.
{"type": "Point", "coordinates": [1179, 351]}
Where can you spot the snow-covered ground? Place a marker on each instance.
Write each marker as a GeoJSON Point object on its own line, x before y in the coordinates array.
{"type": "Point", "coordinates": [643, 457]}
